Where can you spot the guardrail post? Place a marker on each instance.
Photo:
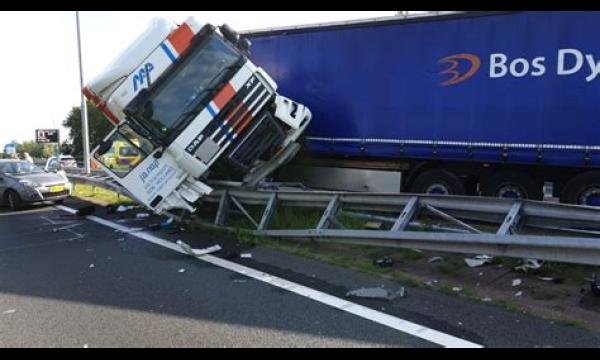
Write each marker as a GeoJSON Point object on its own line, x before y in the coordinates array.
{"type": "Point", "coordinates": [406, 215]}
{"type": "Point", "coordinates": [330, 212]}
{"type": "Point", "coordinates": [223, 209]}
{"type": "Point", "coordinates": [511, 222]}
{"type": "Point", "coordinates": [269, 211]}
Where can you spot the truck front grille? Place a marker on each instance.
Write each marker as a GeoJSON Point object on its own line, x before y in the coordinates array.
{"type": "Point", "coordinates": [233, 121]}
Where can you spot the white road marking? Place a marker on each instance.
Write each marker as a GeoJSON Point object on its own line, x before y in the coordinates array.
{"type": "Point", "coordinates": [364, 312]}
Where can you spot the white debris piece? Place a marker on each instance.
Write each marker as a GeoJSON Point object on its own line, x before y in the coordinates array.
{"type": "Point", "coordinates": [478, 260]}
{"type": "Point", "coordinates": [376, 293]}
{"type": "Point", "coordinates": [197, 252]}
{"type": "Point", "coordinates": [92, 266]}
{"type": "Point", "coordinates": [142, 215]}
{"type": "Point", "coordinates": [246, 255]}
{"type": "Point", "coordinates": [530, 264]}
{"type": "Point", "coordinates": [9, 311]}
{"type": "Point", "coordinates": [456, 289]}
{"type": "Point", "coordinates": [486, 299]}
{"type": "Point", "coordinates": [517, 282]}
{"type": "Point", "coordinates": [518, 293]}
{"type": "Point", "coordinates": [435, 259]}
{"type": "Point", "coordinates": [543, 278]}
{"type": "Point", "coordinates": [181, 270]}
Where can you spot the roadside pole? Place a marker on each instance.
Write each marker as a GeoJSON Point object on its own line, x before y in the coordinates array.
{"type": "Point", "coordinates": [84, 120]}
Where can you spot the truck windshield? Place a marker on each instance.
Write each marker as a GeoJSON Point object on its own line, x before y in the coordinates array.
{"type": "Point", "coordinates": [192, 82]}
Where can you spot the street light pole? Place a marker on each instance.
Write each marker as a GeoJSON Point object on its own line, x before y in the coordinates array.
{"type": "Point", "coordinates": [84, 120]}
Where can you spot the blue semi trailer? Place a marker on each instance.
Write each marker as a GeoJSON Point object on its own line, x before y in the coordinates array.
{"type": "Point", "coordinates": [493, 103]}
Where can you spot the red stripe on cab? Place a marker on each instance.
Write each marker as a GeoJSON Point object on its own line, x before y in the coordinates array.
{"type": "Point", "coordinates": [181, 38]}
{"type": "Point", "coordinates": [224, 96]}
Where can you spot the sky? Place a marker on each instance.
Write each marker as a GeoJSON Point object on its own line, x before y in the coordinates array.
{"type": "Point", "coordinates": [39, 81]}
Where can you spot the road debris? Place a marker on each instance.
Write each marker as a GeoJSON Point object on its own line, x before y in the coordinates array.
{"type": "Point", "coordinates": [92, 266]}
{"type": "Point", "coordinates": [373, 225]}
{"type": "Point", "coordinates": [129, 231]}
{"type": "Point", "coordinates": [9, 311]}
{"type": "Point", "coordinates": [121, 239]}
{"type": "Point", "coordinates": [376, 293]}
{"type": "Point", "coordinates": [478, 260]}
{"type": "Point", "coordinates": [557, 280]}
{"type": "Point", "coordinates": [86, 211]}
{"type": "Point", "coordinates": [435, 259]}
{"type": "Point", "coordinates": [519, 293]}
{"type": "Point", "coordinates": [517, 282]}
{"type": "Point", "coordinates": [431, 282]}
{"type": "Point", "coordinates": [181, 270]}
{"type": "Point", "coordinates": [142, 215]}
{"type": "Point", "coordinates": [486, 299]}
{"type": "Point", "coordinates": [197, 252]}
{"type": "Point", "coordinates": [246, 255]}
{"type": "Point", "coordinates": [530, 264]}
{"type": "Point", "coordinates": [596, 285]}
{"type": "Point", "coordinates": [383, 262]}
{"type": "Point", "coordinates": [457, 289]}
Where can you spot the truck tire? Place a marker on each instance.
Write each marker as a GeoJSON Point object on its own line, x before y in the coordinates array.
{"type": "Point", "coordinates": [583, 189]}
{"type": "Point", "coordinates": [13, 200]}
{"type": "Point", "coordinates": [511, 185]}
{"type": "Point", "coordinates": [438, 182]}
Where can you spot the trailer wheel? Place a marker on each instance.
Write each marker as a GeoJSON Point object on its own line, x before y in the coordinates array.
{"type": "Point", "coordinates": [438, 182]}
{"type": "Point", "coordinates": [583, 189]}
{"type": "Point", "coordinates": [511, 185]}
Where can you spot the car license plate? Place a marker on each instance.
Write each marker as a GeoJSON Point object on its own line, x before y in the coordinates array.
{"type": "Point", "coordinates": [58, 188]}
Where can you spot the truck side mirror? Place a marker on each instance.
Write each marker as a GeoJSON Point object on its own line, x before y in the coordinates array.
{"type": "Point", "coordinates": [229, 33]}
{"type": "Point", "coordinates": [244, 45]}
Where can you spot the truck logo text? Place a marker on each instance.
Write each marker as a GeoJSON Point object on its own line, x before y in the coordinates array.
{"type": "Point", "coordinates": [142, 73]}
{"type": "Point", "coordinates": [568, 62]}
{"type": "Point", "coordinates": [153, 166]}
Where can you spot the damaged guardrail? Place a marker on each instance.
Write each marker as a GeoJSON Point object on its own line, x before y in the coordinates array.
{"type": "Point", "coordinates": [470, 225]}
{"type": "Point", "coordinates": [523, 229]}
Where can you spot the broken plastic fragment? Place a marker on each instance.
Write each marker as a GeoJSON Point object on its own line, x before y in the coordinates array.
{"type": "Point", "coordinates": [142, 215]}
{"type": "Point", "coordinates": [530, 264]}
{"type": "Point", "coordinates": [518, 293]}
{"type": "Point", "coordinates": [376, 293]}
{"type": "Point", "coordinates": [478, 261]}
{"type": "Point", "coordinates": [9, 311]}
{"type": "Point", "coordinates": [92, 266]}
{"type": "Point", "coordinates": [457, 289]}
{"type": "Point", "coordinates": [373, 225]}
{"type": "Point", "coordinates": [197, 252]}
{"type": "Point", "coordinates": [181, 270]}
{"type": "Point", "coordinates": [246, 255]}
{"type": "Point", "coordinates": [516, 282]}
{"type": "Point", "coordinates": [435, 259]}
{"type": "Point", "coordinates": [486, 299]}
{"type": "Point", "coordinates": [383, 262]}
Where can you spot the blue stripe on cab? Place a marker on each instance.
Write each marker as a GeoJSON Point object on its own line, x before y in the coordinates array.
{"type": "Point", "coordinates": [168, 52]}
{"type": "Point", "coordinates": [212, 111]}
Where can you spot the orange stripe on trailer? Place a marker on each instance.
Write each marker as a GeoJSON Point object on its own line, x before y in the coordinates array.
{"type": "Point", "coordinates": [181, 38]}
{"type": "Point", "coordinates": [224, 96]}
{"type": "Point", "coordinates": [234, 112]}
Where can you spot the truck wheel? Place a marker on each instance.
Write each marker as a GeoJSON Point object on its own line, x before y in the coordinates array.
{"type": "Point", "coordinates": [583, 189]}
{"type": "Point", "coordinates": [438, 182]}
{"type": "Point", "coordinates": [511, 185]}
{"type": "Point", "coordinates": [13, 200]}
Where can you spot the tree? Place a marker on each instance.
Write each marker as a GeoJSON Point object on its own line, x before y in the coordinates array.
{"type": "Point", "coordinates": [99, 126]}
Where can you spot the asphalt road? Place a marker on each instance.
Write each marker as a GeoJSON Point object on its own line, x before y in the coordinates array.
{"type": "Point", "coordinates": [68, 282]}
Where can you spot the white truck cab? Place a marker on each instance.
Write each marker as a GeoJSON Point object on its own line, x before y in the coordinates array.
{"type": "Point", "coordinates": [188, 105]}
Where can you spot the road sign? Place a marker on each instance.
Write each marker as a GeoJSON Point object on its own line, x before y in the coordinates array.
{"type": "Point", "coordinates": [46, 136]}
